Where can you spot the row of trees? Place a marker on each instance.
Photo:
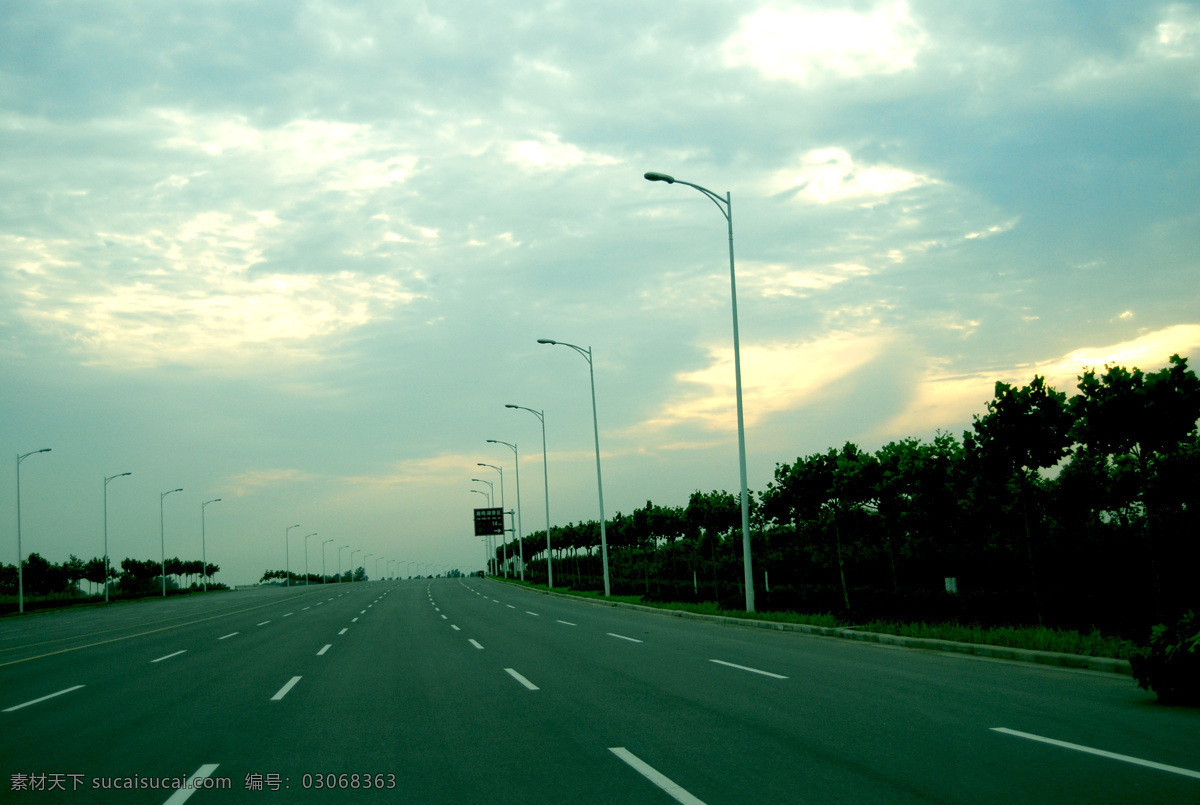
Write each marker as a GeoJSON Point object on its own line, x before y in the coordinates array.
{"type": "Point", "coordinates": [279, 576]}
{"type": "Point", "coordinates": [134, 576]}
{"type": "Point", "coordinates": [1078, 512]}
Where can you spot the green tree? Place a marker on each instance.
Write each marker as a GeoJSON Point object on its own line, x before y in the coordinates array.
{"type": "Point", "coordinates": [1025, 430]}
{"type": "Point", "coordinates": [1143, 419]}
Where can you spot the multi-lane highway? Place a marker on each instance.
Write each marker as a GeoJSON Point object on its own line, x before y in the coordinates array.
{"type": "Point", "coordinates": [471, 690]}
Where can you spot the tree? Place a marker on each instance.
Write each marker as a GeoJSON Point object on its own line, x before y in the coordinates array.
{"type": "Point", "coordinates": [1144, 417]}
{"type": "Point", "coordinates": [1025, 430]}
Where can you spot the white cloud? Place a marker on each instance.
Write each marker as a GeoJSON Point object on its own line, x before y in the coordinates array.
{"type": "Point", "coordinates": [802, 44]}
{"type": "Point", "coordinates": [830, 175]}
{"type": "Point", "coordinates": [548, 152]}
{"type": "Point", "coordinates": [942, 399]}
{"type": "Point", "coordinates": [775, 377]}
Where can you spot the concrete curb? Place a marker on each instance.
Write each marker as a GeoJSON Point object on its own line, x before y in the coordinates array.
{"type": "Point", "coordinates": [1105, 664]}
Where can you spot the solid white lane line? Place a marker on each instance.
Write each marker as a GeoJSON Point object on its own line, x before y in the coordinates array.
{"type": "Point", "coordinates": [1112, 755]}
{"type": "Point", "coordinates": [473, 642]}
{"type": "Point", "coordinates": [190, 786]}
{"type": "Point", "coordinates": [455, 628]}
{"type": "Point", "coordinates": [748, 668]}
{"type": "Point", "coordinates": [231, 634]}
{"type": "Point", "coordinates": [651, 774]}
{"type": "Point", "coordinates": [284, 690]}
{"type": "Point", "coordinates": [527, 612]}
{"type": "Point", "coordinates": [169, 656]}
{"type": "Point", "coordinates": [568, 623]}
{"type": "Point", "coordinates": [521, 679]}
{"type": "Point", "coordinates": [42, 699]}
{"type": "Point", "coordinates": [327, 647]}
{"type": "Point", "coordinates": [264, 623]}
{"type": "Point", "coordinates": [623, 637]}
{"type": "Point", "coordinates": [344, 630]}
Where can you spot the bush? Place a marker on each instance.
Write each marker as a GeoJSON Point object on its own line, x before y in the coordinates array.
{"type": "Point", "coordinates": [1171, 665]}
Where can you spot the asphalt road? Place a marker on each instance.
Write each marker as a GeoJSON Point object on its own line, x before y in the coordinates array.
{"type": "Point", "coordinates": [451, 691]}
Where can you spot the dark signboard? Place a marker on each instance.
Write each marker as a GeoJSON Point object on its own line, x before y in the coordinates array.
{"type": "Point", "coordinates": [489, 522]}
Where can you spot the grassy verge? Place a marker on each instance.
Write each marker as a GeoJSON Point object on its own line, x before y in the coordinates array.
{"type": "Point", "coordinates": [1036, 638]}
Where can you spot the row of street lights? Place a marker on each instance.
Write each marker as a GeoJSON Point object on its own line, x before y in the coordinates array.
{"type": "Point", "coordinates": [725, 205]}
{"type": "Point", "coordinates": [288, 560]}
{"type": "Point", "coordinates": [161, 535]}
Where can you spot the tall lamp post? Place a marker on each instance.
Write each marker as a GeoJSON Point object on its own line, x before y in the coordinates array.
{"type": "Point", "coordinates": [342, 548]}
{"type": "Point", "coordinates": [306, 538]}
{"type": "Point", "coordinates": [520, 527]}
{"type": "Point", "coordinates": [503, 538]}
{"type": "Point", "coordinates": [356, 550]}
{"type": "Point", "coordinates": [365, 558]}
{"type": "Point", "coordinates": [203, 548]}
{"type": "Point", "coordinates": [541, 415]}
{"type": "Point", "coordinates": [487, 558]}
{"type": "Point", "coordinates": [324, 578]}
{"type": "Point", "coordinates": [491, 496]}
{"type": "Point", "coordinates": [106, 480]}
{"type": "Point", "coordinates": [587, 356]}
{"type": "Point", "coordinates": [725, 205]}
{"type": "Point", "coordinates": [287, 556]}
{"type": "Point", "coordinates": [20, 563]}
{"type": "Point", "coordinates": [162, 540]}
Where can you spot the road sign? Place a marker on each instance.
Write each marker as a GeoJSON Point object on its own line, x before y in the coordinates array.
{"type": "Point", "coordinates": [489, 522]}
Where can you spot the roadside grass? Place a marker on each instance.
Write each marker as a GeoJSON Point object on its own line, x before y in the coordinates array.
{"type": "Point", "coordinates": [1036, 638]}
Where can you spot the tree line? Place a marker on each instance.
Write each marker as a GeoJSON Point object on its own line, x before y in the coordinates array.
{"type": "Point", "coordinates": [279, 576]}
{"type": "Point", "coordinates": [1080, 512]}
{"type": "Point", "coordinates": [135, 577]}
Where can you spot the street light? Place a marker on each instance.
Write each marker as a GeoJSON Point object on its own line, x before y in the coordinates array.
{"type": "Point", "coordinates": [541, 415]}
{"type": "Point", "coordinates": [324, 578]}
{"type": "Point", "coordinates": [587, 355]}
{"type": "Point", "coordinates": [342, 548]}
{"type": "Point", "coordinates": [365, 558]}
{"type": "Point", "coordinates": [520, 528]}
{"type": "Point", "coordinates": [106, 480]}
{"type": "Point", "coordinates": [306, 537]}
{"type": "Point", "coordinates": [487, 538]}
{"type": "Point", "coordinates": [287, 556]}
{"type": "Point", "coordinates": [203, 548]}
{"type": "Point", "coordinates": [20, 563]}
{"type": "Point", "coordinates": [503, 539]}
{"type": "Point", "coordinates": [162, 540]}
{"type": "Point", "coordinates": [356, 550]}
{"type": "Point", "coordinates": [725, 205]}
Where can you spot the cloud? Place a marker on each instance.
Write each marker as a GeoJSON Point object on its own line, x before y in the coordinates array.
{"type": "Point", "coordinates": [252, 481]}
{"type": "Point", "coordinates": [548, 153]}
{"type": "Point", "coordinates": [775, 377]}
{"type": "Point", "coordinates": [196, 302]}
{"type": "Point", "coordinates": [803, 44]}
{"type": "Point", "coordinates": [943, 399]}
{"type": "Point", "coordinates": [830, 175]}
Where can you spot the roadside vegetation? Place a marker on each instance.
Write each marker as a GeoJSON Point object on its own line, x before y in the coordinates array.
{"type": "Point", "coordinates": [1058, 523]}
{"type": "Point", "coordinates": [76, 581]}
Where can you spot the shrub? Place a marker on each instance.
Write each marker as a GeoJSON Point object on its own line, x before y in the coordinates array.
{"type": "Point", "coordinates": [1170, 666]}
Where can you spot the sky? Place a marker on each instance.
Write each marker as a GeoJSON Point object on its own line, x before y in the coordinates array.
{"type": "Point", "coordinates": [297, 256]}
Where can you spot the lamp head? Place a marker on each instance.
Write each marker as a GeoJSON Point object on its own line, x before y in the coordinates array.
{"type": "Point", "coordinates": [652, 176]}
{"type": "Point", "coordinates": [509, 405]}
{"type": "Point", "coordinates": [546, 341]}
